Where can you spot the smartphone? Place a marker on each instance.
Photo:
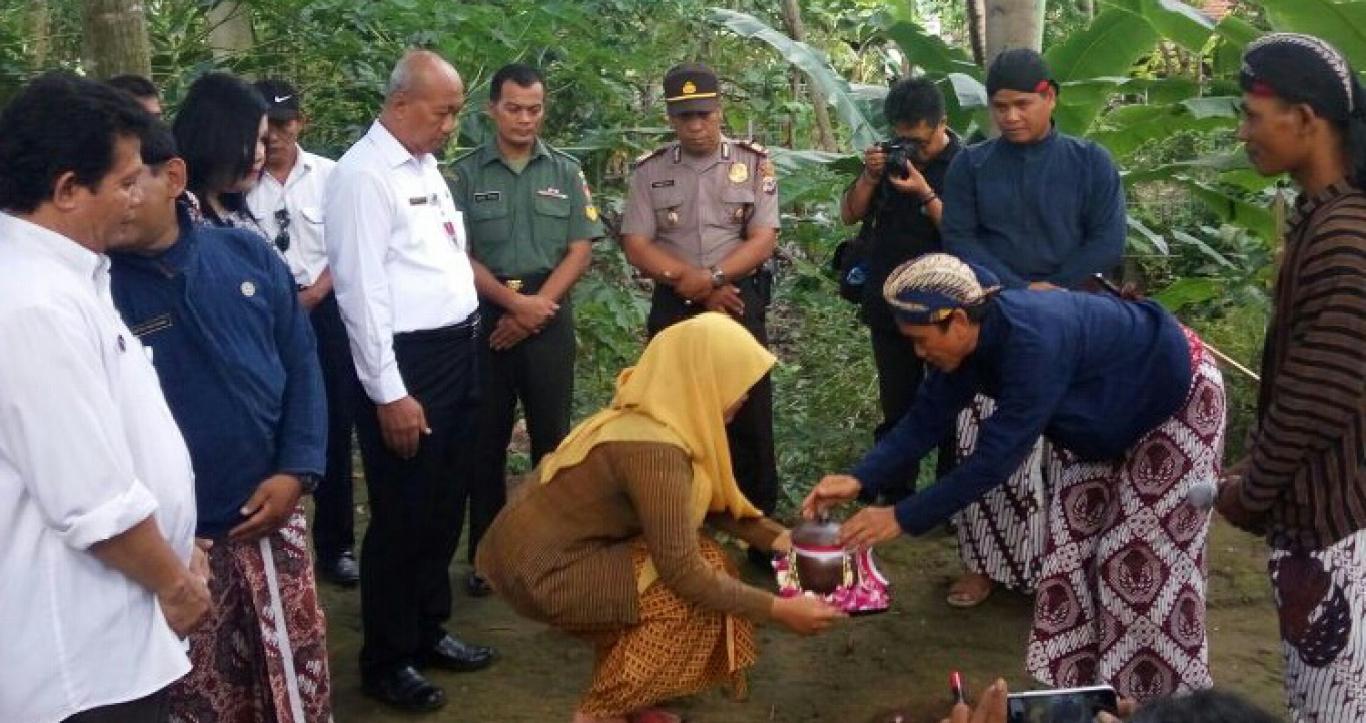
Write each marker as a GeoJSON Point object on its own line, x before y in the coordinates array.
{"type": "Point", "coordinates": [1064, 705]}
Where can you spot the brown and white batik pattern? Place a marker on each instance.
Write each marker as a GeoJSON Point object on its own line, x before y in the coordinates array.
{"type": "Point", "coordinates": [1002, 534]}
{"type": "Point", "coordinates": [1321, 599]}
{"type": "Point", "coordinates": [262, 655]}
{"type": "Point", "coordinates": [1121, 592]}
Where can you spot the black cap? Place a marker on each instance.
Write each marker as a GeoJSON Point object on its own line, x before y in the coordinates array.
{"type": "Point", "coordinates": [282, 100]}
{"type": "Point", "coordinates": [689, 88]}
{"type": "Point", "coordinates": [1019, 69]}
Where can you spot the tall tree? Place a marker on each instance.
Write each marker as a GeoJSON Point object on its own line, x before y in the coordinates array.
{"type": "Point", "coordinates": [115, 38]}
{"type": "Point", "coordinates": [976, 13]}
{"type": "Point", "coordinates": [1013, 24]}
{"type": "Point", "coordinates": [39, 32]}
{"type": "Point", "coordinates": [825, 135]}
{"type": "Point", "coordinates": [230, 31]}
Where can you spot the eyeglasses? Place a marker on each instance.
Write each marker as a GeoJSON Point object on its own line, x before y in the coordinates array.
{"type": "Point", "coordinates": [282, 237]}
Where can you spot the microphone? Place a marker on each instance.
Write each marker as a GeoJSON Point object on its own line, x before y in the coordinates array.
{"type": "Point", "coordinates": [1201, 495]}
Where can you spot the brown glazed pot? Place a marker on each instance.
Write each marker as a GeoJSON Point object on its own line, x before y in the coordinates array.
{"type": "Point", "coordinates": [820, 561]}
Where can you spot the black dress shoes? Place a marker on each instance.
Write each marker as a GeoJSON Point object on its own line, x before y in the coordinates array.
{"type": "Point", "coordinates": [477, 586]}
{"type": "Point", "coordinates": [451, 654]}
{"type": "Point", "coordinates": [341, 570]}
{"type": "Point", "coordinates": [406, 688]}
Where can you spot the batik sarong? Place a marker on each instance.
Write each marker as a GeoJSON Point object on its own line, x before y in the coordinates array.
{"type": "Point", "coordinates": [1321, 599]}
{"type": "Point", "coordinates": [1002, 534]}
{"type": "Point", "coordinates": [1121, 592]}
{"type": "Point", "coordinates": [676, 649]}
{"type": "Point", "coordinates": [262, 655]}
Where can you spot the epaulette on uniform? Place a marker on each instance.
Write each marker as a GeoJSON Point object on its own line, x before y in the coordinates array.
{"type": "Point", "coordinates": [753, 146]}
{"type": "Point", "coordinates": [563, 154]}
{"type": "Point", "coordinates": [647, 155]}
{"type": "Point", "coordinates": [465, 155]}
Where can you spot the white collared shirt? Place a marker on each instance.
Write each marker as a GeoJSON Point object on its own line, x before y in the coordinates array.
{"type": "Point", "coordinates": [301, 196]}
{"type": "Point", "coordinates": [397, 247]}
{"type": "Point", "coordinates": [88, 449]}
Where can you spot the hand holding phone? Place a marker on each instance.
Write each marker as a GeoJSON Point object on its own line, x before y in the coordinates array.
{"type": "Point", "coordinates": [1065, 705]}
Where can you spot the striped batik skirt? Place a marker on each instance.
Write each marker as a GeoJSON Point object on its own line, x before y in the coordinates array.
{"type": "Point", "coordinates": [1121, 591]}
{"type": "Point", "coordinates": [1321, 598]}
{"type": "Point", "coordinates": [677, 648]}
{"type": "Point", "coordinates": [262, 655]}
{"type": "Point", "coordinates": [1002, 535]}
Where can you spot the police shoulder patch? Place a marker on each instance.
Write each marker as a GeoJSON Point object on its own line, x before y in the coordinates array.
{"type": "Point", "coordinates": [647, 155]}
{"type": "Point", "coordinates": [754, 146]}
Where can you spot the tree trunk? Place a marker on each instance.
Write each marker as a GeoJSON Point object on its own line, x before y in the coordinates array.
{"type": "Point", "coordinates": [1013, 24]}
{"type": "Point", "coordinates": [40, 32]}
{"type": "Point", "coordinates": [825, 135]}
{"type": "Point", "coordinates": [115, 34]}
{"type": "Point", "coordinates": [230, 32]}
{"type": "Point", "coordinates": [1088, 7]}
{"type": "Point", "coordinates": [976, 15]}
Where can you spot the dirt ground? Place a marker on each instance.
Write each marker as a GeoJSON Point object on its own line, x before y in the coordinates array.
{"type": "Point", "coordinates": [867, 669]}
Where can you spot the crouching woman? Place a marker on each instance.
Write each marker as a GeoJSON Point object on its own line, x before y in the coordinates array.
{"type": "Point", "coordinates": [604, 540]}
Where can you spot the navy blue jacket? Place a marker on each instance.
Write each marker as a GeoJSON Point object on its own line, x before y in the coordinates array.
{"type": "Point", "coordinates": [236, 356]}
{"type": "Point", "coordinates": [1048, 211]}
{"type": "Point", "coordinates": [1093, 373]}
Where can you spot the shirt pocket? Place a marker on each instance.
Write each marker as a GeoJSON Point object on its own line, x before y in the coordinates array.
{"type": "Point", "coordinates": [312, 215]}
{"type": "Point", "coordinates": [666, 201]}
{"type": "Point", "coordinates": [550, 220]}
{"type": "Point", "coordinates": [489, 217]}
{"type": "Point", "coordinates": [737, 204]}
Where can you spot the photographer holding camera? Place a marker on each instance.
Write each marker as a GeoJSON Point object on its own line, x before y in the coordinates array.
{"type": "Point", "coordinates": [897, 198]}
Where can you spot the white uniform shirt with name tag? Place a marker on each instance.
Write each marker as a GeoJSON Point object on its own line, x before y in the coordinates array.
{"type": "Point", "coordinates": [301, 196]}
{"type": "Point", "coordinates": [88, 449]}
{"type": "Point", "coordinates": [397, 248]}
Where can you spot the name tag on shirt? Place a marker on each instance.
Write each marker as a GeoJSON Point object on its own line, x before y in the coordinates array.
{"type": "Point", "coordinates": [152, 325]}
{"type": "Point", "coordinates": [552, 193]}
{"type": "Point", "coordinates": [667, 183]}
{"type": "Point", "coordinates": [422, 200]}
{"type": "Point", "coordinates": [487, 196]}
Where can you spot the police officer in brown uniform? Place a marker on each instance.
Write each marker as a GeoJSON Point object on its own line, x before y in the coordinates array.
{"type": "Point", "coordinates": [701, 219]}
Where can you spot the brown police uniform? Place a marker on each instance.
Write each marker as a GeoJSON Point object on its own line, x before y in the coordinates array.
{"type": "Point", "coordinates": [701, 210]}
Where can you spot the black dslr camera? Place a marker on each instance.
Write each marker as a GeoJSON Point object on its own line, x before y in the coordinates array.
{"type": "Point", "coordinates": [898, 156]}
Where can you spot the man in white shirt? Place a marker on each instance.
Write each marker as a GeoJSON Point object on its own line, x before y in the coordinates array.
{"type": "Point", "coordinates": [288, 204]}
{"type": "Point", "coordinates": [96, 486]}
{"type": "Point", "coordinates": [403, 280]}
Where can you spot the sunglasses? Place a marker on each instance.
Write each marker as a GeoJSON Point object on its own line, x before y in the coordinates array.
{"type": "Point", "coordinates": [282, 237]}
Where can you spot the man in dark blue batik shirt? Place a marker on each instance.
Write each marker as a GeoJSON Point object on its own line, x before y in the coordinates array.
{"type": "Point", "coordinates": [218, 313]}
{"type": "Point", "coordinates": [1041, 210]}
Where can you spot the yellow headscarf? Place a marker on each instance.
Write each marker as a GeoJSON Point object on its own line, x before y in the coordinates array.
{"type": "Point", "coordinates": [677, 393]}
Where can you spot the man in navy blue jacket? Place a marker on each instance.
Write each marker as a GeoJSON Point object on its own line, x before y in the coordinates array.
{"type": "Point", "coordinates": [1042, 210]}
{"type": "Point", "coordinates": [217, 312]}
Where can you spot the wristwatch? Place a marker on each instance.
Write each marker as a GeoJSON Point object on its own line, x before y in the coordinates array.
{"type": "Point", "coordinates": [309, 482]}
{"type": "Point", "coordinates": [718, 277]}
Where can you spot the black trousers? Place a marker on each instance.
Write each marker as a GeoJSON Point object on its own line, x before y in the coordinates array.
{"type": "Point", "coordinates": [539, 372]}
{"type": "Point", "coordinates": [417, 505]}
{"type": "Point", "coordinates": [899, 374]}
{"type": "Point", "coordinates": [334, 502]}
{"type": "Point", "coordinates": [751, 431]}
{"type": "Point", "coordinates": [154, 708]}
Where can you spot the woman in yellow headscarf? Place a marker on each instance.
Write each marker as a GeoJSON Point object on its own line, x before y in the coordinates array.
{"type": "Point", "coordinates": [604, 542]}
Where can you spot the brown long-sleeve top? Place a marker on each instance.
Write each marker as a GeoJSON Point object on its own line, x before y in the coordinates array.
{"type": "Point", "coordinates": [561, 552]}
{"type": "Point", "coordinates": [1306, 472]}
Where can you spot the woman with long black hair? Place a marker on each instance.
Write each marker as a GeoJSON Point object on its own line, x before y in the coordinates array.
{"type": "Point", "coordinates": [220, 131]}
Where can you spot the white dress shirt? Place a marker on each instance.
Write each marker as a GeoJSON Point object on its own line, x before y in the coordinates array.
{"type": "Point", "coordinates": [301, 196]}
{"type": "Point", "coordinates": [88, 448]}
{"type": "Point", "coordinates": [396, 244]}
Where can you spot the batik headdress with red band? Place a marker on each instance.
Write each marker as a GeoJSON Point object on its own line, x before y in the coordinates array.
{"type": "Point", "coordinates": [1301, 69]}
{"type": "Point", "coordinates": [928, 289]}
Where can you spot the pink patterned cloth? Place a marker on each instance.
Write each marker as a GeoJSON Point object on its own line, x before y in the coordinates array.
{"type": "Point", "coordinates": [1121, 591]}
{"type": "Point", "coordinates": [241, 673]}
{"type": "Point", "coordinates": [869, 593]}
